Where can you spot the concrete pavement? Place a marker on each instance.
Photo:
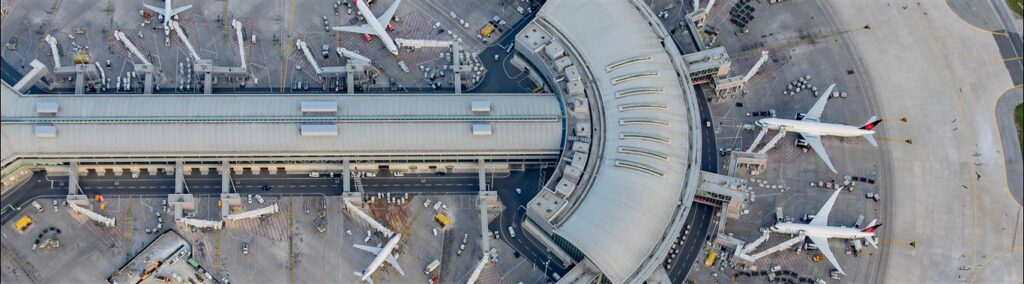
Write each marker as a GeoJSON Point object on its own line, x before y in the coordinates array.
{"type": "Point", "coordinates": [947, 190]}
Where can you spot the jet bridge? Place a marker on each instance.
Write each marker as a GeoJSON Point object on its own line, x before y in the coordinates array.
{"type": "Point", "coordinates": [775, 140]}
{"type": "Point", "coordinates": [184, 38]}
{"type": "Point", "coordinates": [253, 213]}
{"type": "Point", "coordinates": [53, 49]}
{"type": "Point", "coordinates": [146, 67]}
{"type": "Point", "coordinates": [241, 40]}
{"type": "Point", "coordinates": [80, 70]}
{"type": "Point", "coordinates": [206, 66]}
{"type": "Point", "coordinates": [352, 55]}
{"type": "Point", "coordinates": [757, 140]}
{"type": "Point", "coordinates": [736, 83]}
{"type": "Point", "coordinates": [457, 66]}
{"type": "Point", "coordinates": [108, 221]}
{"type": "Point", "coordinates": [743, 255]}
{"type": "Point", "coordinates": [402, 42]}
{"type": "Point", "coordinates": [373, 223]}
{"type": "Point", "coordinates": [309, 56]}
{"type": "Point", "coordinates": [199, 223]}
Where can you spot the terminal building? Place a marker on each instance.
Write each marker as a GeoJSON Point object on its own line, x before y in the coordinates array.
{"type": "Point", "coordinates": [620, 127]}
{"type": "Point", "coordinates": [631, 165]}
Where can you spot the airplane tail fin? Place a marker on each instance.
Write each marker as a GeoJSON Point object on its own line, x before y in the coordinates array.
{"type": "Point", "coordinates": [871, 227]}
{"type": "Point", "coordinates": [871, 124]}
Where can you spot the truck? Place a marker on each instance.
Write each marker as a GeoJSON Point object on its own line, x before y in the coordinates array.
{"type": "Point", "coordinates": [37, 206]}
{"type": "Point", "coordinates": [857, 245]}
{"type": "Point", "coordinates": [710, 260]}
{"type": "Point", "coordinates": [430, 267]}
{"type": "Point", "coordinates": [23, 224]}
{"type": "Point", "coordinates": [442, 219]}
{"type": "Point", "coordinates": [511, 232]}
{"type": "Point", "coordinates": [487, 30]}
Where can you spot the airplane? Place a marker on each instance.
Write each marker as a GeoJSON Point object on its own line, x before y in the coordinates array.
{"type": "Point", "coordinates": [373, 25]}
{"type": "Point", "coordinates": [382, 254]}
{"type": "Point", "coordinates": [819, 231]}
{"type": "Point", "coordinates": [812, 129]}
{"type": "Point", "coordinates": [167, 13]}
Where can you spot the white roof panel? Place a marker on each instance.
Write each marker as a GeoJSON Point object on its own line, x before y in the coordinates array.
{"type": "Point", "coordinates": [123, 137]}
{"type": "Point", "coordinates": [623, 217]}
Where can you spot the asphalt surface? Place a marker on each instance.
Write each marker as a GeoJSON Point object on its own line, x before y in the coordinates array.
{"type": "Point", "coordinates": [698, 226]}
{"type": "Point", "coordinates": [514, 214]}
{"type": "Point", "coordinates": [1010, 45]}
{"type": "Point", "coordinates": [698, 216]}
{"type": "Point", "coordinates": [501, 76]}
{"type": "Point", "coordinates": [1011, 49]}
{"type": "Point", "coordinates": [1011, 145]}
{"type": "Point", "coordinates": [159, 185]}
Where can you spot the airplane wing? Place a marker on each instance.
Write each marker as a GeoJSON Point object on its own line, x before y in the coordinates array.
{"type": "Point", "coordinates": [180, 9]}
{"type": "Point", "coordinates": [394, 263]}
{"type": "Point", "coordinates": [363, 29]}
{"type": "Point", "coordinates": [385, 18]}
{"type": "Point", "coordinates": [155, 9]}
{"type": "Point", "coordinates": [822, 244]}
{"type": "Point", "coordinates": [815, 142]}
{"type": "Point", "coordinates": [815, 113]}
{"type": "Point", "coordinates": [822, 217]}
{"type": "Point", "coordinates": [373, 250]}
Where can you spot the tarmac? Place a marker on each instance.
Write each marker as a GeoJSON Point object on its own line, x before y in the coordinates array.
{"type": "Point", "coordinates": [949, 191]}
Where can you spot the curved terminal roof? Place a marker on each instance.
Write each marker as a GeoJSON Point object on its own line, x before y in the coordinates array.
{"type": "Point", "coordinates": [649, 137]}
{"type": "Point", "coordinates": [269, 125]}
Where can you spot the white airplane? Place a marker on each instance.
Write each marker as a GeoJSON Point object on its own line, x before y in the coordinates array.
{"type": "Point", "coordinates": [819, 231]}
{"type": "Point", "coordinates": [812, 129]}
{"type": "Point", "coordinates": [382, 254]}
{"type": "Point", "coordinates": [167, 13]}
{"type": "Point", "coordinates": [373, 25]}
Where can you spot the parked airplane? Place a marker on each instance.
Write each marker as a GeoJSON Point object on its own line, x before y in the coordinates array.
{"type": "Point", "coordinates": [819, 231]}
{"type": "Point", "coordinates": [374, 25]}
{"type": "Point", "coordinates": [167, 13]}
{"type": "Point", "coordinates": [812, 129]}
{"type": "Point", "coordinates": [382, 254]}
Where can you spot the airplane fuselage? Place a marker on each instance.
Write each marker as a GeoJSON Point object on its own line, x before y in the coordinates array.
{"type": "Point", "coordinates": [821, 231]}
{"type": "Point", "coordinates": [371, 20]}
{"type": "Point", "coordinates": [814, 128]}
{"type": "Point", "coordinates": [385, 252]}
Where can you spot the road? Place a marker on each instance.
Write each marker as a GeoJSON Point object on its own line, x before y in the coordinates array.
{"type": "Point", "coordinates": [1011, 144]}
{"type": "Point", "coordinates": [698, 233]}
{"type": "Point", "coordinates": [1010, 45]}
{"type": "Point", "coordinates": [515, 212]}
{"type": "Point", "coordinates": [698, 216]}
